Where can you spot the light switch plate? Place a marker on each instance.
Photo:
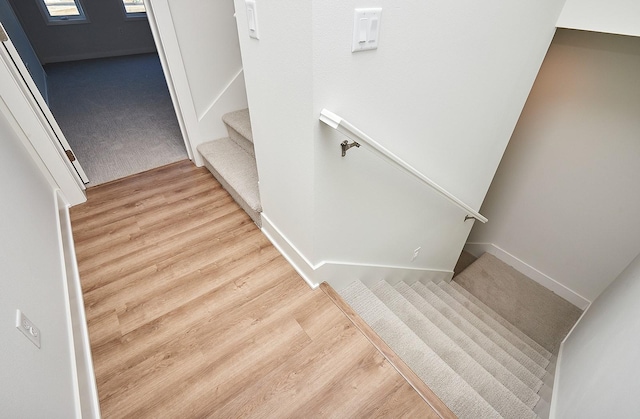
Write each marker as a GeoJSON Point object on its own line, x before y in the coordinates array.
{"type": "Point", "coordinates": [252, 19]}
{"type": "Point", "coordinates": [366, 29]}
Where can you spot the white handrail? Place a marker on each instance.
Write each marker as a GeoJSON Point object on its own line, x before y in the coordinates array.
{"type": "Point", "coordinates": [340, 124]}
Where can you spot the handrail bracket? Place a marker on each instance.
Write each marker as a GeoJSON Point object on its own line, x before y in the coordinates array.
{"type": "Point", "coordinates": [344, 127]}
{"type": "Point", "coordinates": [346, 146]}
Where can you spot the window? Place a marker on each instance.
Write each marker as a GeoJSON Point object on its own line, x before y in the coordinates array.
{"type": "Point", "coordinates": [134, 8]}
{"type": "Point", "coordinates": [62, 11]}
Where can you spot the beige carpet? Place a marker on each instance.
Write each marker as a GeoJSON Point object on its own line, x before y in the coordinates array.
{"type": "Point", "coordinates": [544, 316]}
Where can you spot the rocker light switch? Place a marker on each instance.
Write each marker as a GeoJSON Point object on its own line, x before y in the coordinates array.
{"type": "Point", "coordinates": [366, 27]}
{"type": "Point", "coordinates": [252, 18]}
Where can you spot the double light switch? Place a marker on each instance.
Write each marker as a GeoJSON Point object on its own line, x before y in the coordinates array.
{"type": "Point", "coordinates": [366, 27]}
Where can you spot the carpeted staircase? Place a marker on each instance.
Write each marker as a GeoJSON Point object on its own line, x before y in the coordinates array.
{"type": "Point", "coordinates": [475, 361]}
{"type": "Point", "coordinates": [232, 161]}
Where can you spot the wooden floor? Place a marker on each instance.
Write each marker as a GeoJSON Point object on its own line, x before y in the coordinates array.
{"type": "Point", "coordinates": [193, 313]}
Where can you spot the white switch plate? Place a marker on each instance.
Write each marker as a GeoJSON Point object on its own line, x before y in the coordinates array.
{"type": "Point", "coordinates": [27, 328]}
{"type": "Point", "coordinates": [252, 19]}
{"type": "Point", "coordinates": [366, 29]}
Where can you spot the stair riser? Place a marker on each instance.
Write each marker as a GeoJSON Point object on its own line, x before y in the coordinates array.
{"type": "Point", "coordinates": [496, 389]}
{"type": "Point", "coordinates": [497, 338]}
{"type": "Point", "coordinates": [239, 139]}
{"type": "Point", "coordinates": [491, 357]}
{"type": "Point", "coordinates": [546, 354]}
{"type": "Point", "coordinates": [456, 393]}
{"type": "Point", "coordinates": [496, 325]}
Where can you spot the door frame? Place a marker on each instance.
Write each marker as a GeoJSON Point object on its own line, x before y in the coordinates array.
{"type": "Point", "coordinates": [25, 107]}
{"type": "Point", "coordinates": [174, 73]}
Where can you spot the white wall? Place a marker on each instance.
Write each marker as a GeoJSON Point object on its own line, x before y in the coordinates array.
{"type": "Point", "coordinates": [564, 199]}
{"type": "Point", "coordinates": [34, 382]}
{"type": "Point", "coordinates": [610, 16]}
{"type": "Point", "coordinates": [443, 91]}
{"type": "Point", "coordinates": [278, 74]}
{"type": "Point", "coordinates": [597, 372]}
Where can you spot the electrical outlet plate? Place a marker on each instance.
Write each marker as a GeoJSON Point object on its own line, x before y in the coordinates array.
{"type": "Point", "coordinates": [27, 328]}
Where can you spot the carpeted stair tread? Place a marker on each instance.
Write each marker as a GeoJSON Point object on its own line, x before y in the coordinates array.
{"type": "Point", "coordinates": [238, 125]}
{"type": "Point", "coordinates": [236, 170]}
{"type": "Point", "coordinates": [492, 357]}
{"type": "Point", "coordinates": [501, 326]}
{"type": "Point", "coordinates": [535, 345]}
{"type": "Point", "coordinates": [240, 121]}
{"type": "Point", "coordinates": [492, 388]}
{"type": "Point", "coordinates": [537, 311]}
{"type": "Point", "coordinates": [454, 391]}
{"type": "Point", "coordinates": [497, 338]}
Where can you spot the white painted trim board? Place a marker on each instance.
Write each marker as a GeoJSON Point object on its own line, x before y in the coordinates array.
{"type": "Point", "coordinates": [340, 274]}
{"type": "Point", "coordinates": [556, 378]}
{"type": "Point", "coordinates": [87, 401]}
{"type": "Point", "coordinates": [477, 249]}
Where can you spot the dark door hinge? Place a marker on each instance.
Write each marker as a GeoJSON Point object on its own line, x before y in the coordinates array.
{"type": "Point", "coordinates": [70, 155]}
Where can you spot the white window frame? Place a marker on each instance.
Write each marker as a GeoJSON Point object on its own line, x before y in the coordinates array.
{"type": "Point", "coordinates": [63, 20]}
{"type": "Point", "coordinates": [134, 15]}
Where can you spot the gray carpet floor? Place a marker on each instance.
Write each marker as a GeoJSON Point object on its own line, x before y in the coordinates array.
{"type": "Point", "coordinates": [116, 114]}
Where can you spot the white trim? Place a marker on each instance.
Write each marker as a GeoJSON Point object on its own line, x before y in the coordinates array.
{"type": "Point", "coordinates": [556, 378]}
{"type": "Point", "coordinates": [290, 252]}
{"type": "Point", "coordinates": [86, 394]}
{"type": "Point", "coordinates": [174, 73]}
{"type": "Point", "coordinates": [93, 55]}
{"type": "Point", "coordinates": [477, 249]}
{"type": "Point", "coordinates": [17, 103]}
{"type": "Point", "coordinates": [224, 90]}
{"type": "Point", "coordinates": [41, 109]}
{"type": "Point", "coordinates": [341, 274]}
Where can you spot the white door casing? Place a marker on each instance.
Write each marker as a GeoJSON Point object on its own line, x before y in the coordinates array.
{"type": "Point", "coordinates": [15, 64]}
{"type": "Point", "coordinates": [197, 41]}
{"type": "Point", "coordinates": [41, 135]}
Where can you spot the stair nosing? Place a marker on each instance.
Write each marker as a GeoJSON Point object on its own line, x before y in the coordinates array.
{"type": "Point", "coordinates": [489, 386]}
{"type": "Point", "coordinates": [455, 405]}
{"type": "Point", "coordinates": [482, 306]}
{"type": "Point", "coordinates": [500, 340]}
{"type": "Point", "coordinates": [498, 326]}
{"type": "Point", "coordinates": [492, 350]}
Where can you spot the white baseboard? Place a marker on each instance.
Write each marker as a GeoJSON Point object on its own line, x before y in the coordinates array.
{"type": "Point", "coordinates": [341, 274]}
{"type": "Point", "coordinates": [85, 381]}
{"type": "Point", "coordinates": [477, 249]}
{"type": "Point", "coordinates": [97, 54]}
{"type": "Point", "coordinates": [556, 379]}
{"type": "Point", "coordinates": [290, 252]}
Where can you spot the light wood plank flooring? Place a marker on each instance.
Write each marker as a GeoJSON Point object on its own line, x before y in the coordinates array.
{"type": "Point", "coordinates": [193, 313]}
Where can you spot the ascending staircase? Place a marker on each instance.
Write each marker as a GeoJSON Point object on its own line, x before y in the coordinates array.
{"type": "Point", "coordinates": [232, 161]}
{"type": "Point", "coordinates": [477, 363]}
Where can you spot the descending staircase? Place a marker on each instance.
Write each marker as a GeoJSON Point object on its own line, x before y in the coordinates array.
{"type": "Point", "coordinates": [232, 161]}
{"type": "Point", "coordinates": [476, 362]}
